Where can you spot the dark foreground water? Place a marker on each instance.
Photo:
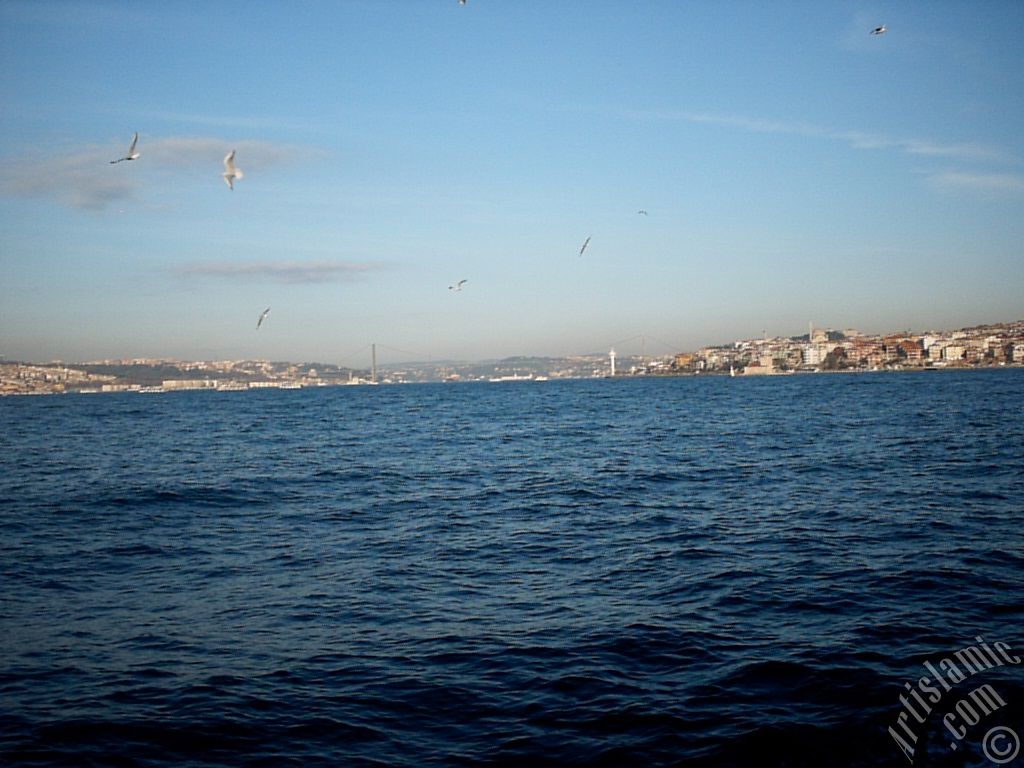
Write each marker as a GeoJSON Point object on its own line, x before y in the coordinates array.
{"type": "Point", "coordinates": [649, 572]}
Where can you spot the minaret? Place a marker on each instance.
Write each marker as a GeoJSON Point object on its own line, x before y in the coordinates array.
{"type": "Point", "coordinates": [611, 356]}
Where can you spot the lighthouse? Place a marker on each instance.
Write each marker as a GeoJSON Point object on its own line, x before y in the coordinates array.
{"type": "Point", "coordinates": [611, 357]}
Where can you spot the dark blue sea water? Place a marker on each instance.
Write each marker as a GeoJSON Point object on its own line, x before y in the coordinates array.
{"type": "Point", "coordinates": [706, 572]}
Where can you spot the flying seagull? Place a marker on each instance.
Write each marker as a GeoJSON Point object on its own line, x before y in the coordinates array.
{"type": "Point", "coordinates": [878, 30]}
{"type": "Point", "coordinates": [230, 172]}
{"type": "Point", "coordinates": [462, 2]}
{"type": "Point", "coordinates": [132, 154]}
{"type": "Point", "coordinates": [457, 286]}
{"type": "Point", "coordinates": [263, 317]}
{"type": "Point", "coordinates": [642, 212]}
{"type": "Point", "coordinates": [585, 244]}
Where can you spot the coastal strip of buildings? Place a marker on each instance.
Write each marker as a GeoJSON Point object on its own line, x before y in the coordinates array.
{"type": "Point", "coordinates": [820, 350]}
{"type": "Point", "coordinates": [158, 375]}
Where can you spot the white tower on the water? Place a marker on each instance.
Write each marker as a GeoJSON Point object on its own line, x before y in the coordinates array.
{"type": "Point", "coordinates": [611, 357]}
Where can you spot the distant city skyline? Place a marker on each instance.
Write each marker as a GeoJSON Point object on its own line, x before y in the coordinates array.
{"type": "Point", "coordinates": [998, 345]}
{"type": "Point", "coordinates": [792, 167]}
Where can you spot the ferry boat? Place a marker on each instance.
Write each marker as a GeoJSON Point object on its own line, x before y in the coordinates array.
{"type": "Point", "coordinates": [513, 377]}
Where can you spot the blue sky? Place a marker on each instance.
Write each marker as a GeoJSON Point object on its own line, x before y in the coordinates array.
{"type": "Point", "coordinates": [794, 168]}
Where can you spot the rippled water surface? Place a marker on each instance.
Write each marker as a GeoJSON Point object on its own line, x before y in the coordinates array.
{"type": "Point", "coordinates": [637, 572]}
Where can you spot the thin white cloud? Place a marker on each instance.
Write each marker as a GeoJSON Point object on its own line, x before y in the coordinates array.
{"type": "Point", "coordinates": [84, 178]}
{"type": "Point", "coordinates": [76, 179]}
{"type": "Point", "coordinates": [289, 272]}
{"type": "Point", "coordinates": [199, 152]}
{"type": "Point", "coordinates": [752, 124]}
{"type": "Point", "coordinates": [963, 152]}
{"type": "Point", "coordinates": [982, 182]}
{"type": "Point", "coordinates": [854, 139]}
{"type": "Point", "coordinates": [226, 122]}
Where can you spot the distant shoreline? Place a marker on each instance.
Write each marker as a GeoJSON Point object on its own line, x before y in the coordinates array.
{"type": "Point", "coordinates": [981, 347]}
{"type": "Point", "coordinates": [234, 386]}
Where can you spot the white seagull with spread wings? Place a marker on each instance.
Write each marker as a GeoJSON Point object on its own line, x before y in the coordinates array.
{"type": "Point", "coordinates": [457, 286]}
{"type": "Point", "coordinates": [263, 317]}
{"type": "Point", "coordinates": [230, 172]}
{"type": "Point", "coordinates": [132, 154]}
{"type": "Point", "coordinates": [878, 30]}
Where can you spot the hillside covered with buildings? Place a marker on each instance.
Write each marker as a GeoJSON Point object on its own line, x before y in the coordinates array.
{"type": "Point", "coordinates": [832, 350]}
